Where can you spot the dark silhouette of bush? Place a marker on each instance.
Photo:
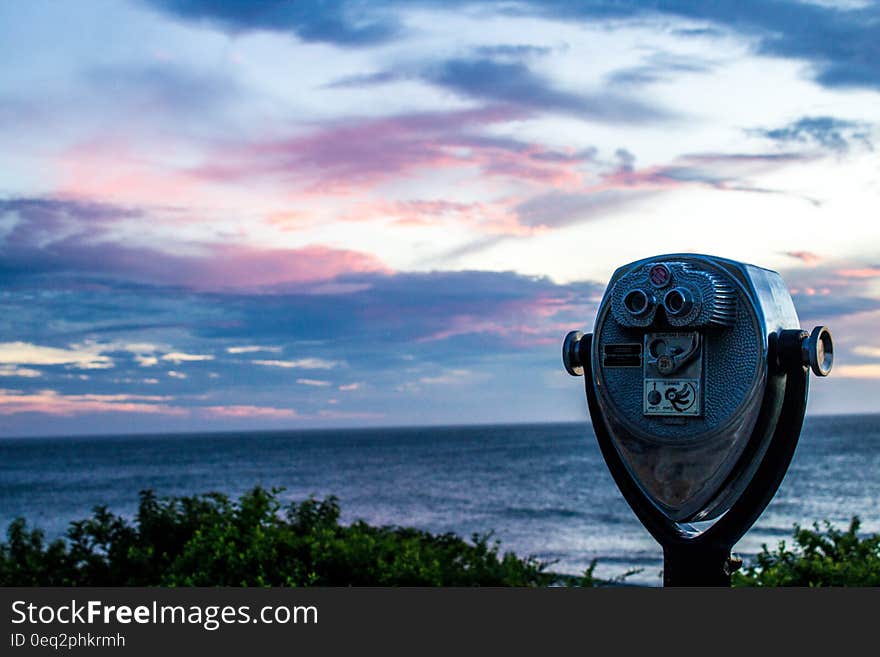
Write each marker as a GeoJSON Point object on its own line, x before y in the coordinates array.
{"type": "Point", "coordinates": [210, 540]}
{"type": "Point", "coordinates": [828, 557]}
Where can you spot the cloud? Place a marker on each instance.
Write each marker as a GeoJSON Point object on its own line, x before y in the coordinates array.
{"type": "Point", "coordinates": [839, 42]}
{"type": "Point", "coordinates": [349, 387]}
{"type": "Point", "coordinates": [178, 357]}
{"type": "Point", "coordinates": [359, 154]}
{"type": "Point", "coordinates": [823, 131]}
{"type": "Point", "coordinates": [53, 236]}
{"type": "Point", "coordinates": [244, 411]}
{"type": "Point", "coordinates": [388, 311]}
{"type": "Point", "coordinates": [302, 363]}
{"type": "Point", "coordinates": [828, 306]}
{"type": "Point", "coordinates": [860, 272]}
{"type": "Point", "coordinates": [627, 185]}
{"type": "Point", "coordinates": [828, 290]}
{"type": "Point", "coordinates": [51, 402]}
{"type": "Point", "coordinates": [317, 383]}
{"type": "Point", "coordinates": [7, 370]}
{"type": "Point", "coordinates": [340, 22]}
{"type": "Point", "coordinates": [33, 220]}
{"type": "Point", "coordinates": [363, 325]}
{"type": "Point", "coordinates": [658, 67]}
{"type": "Point", "coordinates": [514, 51]}
{"type": "Point", "coordinates": [807, 257]}
{"type": "Point", "coordinates": [86, 357]}
{"type": "Point", "coordinates": [557, 209]}
{"type": "Point", "coordinates": [362, 80]}
{"type": "Point", "coordinates": [870, 352]}
{"type": "Point", "coordinates": [867, 371]}
{"type": "Point", "coordinates": [514, 84]}
{"type": "Point", "coordinates": [448, 377]}
{"type": "Point", "coordinates": [251, 349]}
{"type": "Point", "coordinates": [720, 171]}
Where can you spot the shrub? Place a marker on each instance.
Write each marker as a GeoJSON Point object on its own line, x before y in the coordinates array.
{"type": "Point", "coordinates": [210, 540]}
{"type": "Point", "coordinates": [828, 557]}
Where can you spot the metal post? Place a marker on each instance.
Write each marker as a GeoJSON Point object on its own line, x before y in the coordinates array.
{"type": "Point", "coordinates": [695, 565]}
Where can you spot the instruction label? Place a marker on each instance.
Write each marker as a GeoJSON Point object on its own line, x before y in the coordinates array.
{"type": "Point", "coordinates": [672, 397]}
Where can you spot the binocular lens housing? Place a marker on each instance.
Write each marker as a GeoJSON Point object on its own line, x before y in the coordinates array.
{"type": "Point", "coordinates": [678, 302]}
{"type": "Point", "coordinates": [638, 303]}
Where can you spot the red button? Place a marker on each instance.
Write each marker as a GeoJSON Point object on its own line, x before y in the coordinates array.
{"type": "Point", "coordinates": [659, 275]}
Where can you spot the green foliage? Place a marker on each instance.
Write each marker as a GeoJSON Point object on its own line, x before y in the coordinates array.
{"type": "Point", "coordinates": [819, 558]}
{"type": "Point", "coordinates": [210, 540]}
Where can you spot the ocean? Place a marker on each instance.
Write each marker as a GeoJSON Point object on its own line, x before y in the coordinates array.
{"type": "Point", "coordinates": [543, 489]}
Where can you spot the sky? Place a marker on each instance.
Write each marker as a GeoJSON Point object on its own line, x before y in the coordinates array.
{"type": "Point", "coordinates": [266, 215]}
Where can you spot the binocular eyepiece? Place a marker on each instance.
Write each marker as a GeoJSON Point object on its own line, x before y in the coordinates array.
{"type": "Point", "coordinates": [677, 302]}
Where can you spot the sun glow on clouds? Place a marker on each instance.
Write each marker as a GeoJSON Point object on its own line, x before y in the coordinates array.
{"type": "Point", "coordinates": [871, 352]}
{"type": "Point", "coordinates": [245, 411]}
{"type": "Point", "coordinates": [86, 357]}
{"type": "Point", "coordinates": [864, 272]}
{"type": "Point", "coordinates": [6, 370]}
{"type": "Point", "coordinates": [865, 371]}
{"type": "Point", "coordinates": [52, 402]}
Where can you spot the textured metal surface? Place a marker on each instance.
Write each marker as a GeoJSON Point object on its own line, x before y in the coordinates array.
{"type": "Point", "coordinates": [713, 303]}
{"type": "Point", "coordinates": [733, 357]}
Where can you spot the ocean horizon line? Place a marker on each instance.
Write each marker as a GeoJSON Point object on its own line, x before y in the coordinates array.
{"type": "Point", "coordinates": [342, 428]}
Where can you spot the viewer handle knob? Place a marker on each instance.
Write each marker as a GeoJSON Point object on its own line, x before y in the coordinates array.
{"type": "Point", "coordinates": [571, 353]}
{"type": "Point", "coordinates": [819, 351]}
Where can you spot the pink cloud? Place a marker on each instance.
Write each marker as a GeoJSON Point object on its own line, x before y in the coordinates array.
{"type": "Point", "coordinates": [297, 181]}
{"type": "Point", "coordinates": [860, 272]}
{"type": "Point", "coordinates": [51, 402]}
{"type": "Point", "coordinates": [235, 266]}
{"type": "Point", "coordinates": [361, 154]}
{"type": "Point", "coordinates": [243, 411]}
{"type": "Point", "coordinates": [806, 257]}
{"type": "Point", "coordinates": [114, 170]}
{"type": "Point", "coordinates": [248, 411]}
{"type": "Point", "coordinates": [492, 217]}
{"type": "Point", "coordinates": [80, 237]}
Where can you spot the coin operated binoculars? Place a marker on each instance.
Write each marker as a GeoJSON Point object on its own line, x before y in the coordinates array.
{"type": "Point", "coordinates": [696, 376]}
